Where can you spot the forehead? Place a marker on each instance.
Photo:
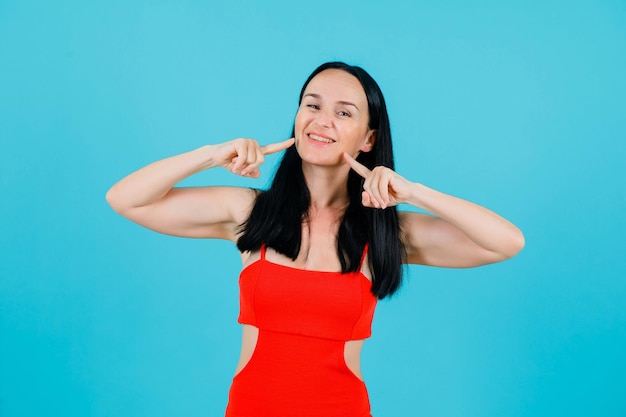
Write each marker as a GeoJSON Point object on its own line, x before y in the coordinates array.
{"type": "Point", "coordinates": [337, 85]}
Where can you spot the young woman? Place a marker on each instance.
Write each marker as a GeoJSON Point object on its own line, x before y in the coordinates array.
{"type": "Point", "coordinates": [320, 246]}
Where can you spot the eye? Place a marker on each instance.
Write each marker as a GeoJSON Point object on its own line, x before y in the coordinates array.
{"type": "Point", "coordinates": [313, 106]}
{"type": "Point", "coordinates": [343, 113]}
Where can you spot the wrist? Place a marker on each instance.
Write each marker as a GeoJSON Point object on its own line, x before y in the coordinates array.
{"type": "Point", "coordinates": [416, 195]}
{"type": "Point", "coordinates": [204, 157]}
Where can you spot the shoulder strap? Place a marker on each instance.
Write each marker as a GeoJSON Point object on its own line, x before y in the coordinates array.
{"type": "Point", "coordinates": [263, 251]}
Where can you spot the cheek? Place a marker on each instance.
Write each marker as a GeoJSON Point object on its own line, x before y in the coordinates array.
{"type": "Point", "coordinates": [357, 135]}
{"type": "Point", "coordinates": [299, 124]}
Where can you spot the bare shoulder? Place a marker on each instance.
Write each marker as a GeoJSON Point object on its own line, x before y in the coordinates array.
{"type": "Point", "coordinates": [413, 226]}
{"type": "Point", "coordinates": [239, 200]}
{"type": "Point", "coordinates": [428, 239]}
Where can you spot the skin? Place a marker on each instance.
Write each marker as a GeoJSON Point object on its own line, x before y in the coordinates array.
{"type": "Point", "coordinates": [331, 129]}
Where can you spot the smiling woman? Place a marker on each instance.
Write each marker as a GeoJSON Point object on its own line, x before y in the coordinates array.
{"type": "Point", "coordinates": [333, 98]}
{"type": "Point", "coordinates": [320, 246]}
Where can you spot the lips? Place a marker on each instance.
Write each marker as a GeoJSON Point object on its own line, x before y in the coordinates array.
{"type": "Point", "coordinates": [320, 138]}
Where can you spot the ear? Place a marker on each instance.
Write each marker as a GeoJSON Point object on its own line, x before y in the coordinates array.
{"type": "Point", "coordinates": [370, 140]}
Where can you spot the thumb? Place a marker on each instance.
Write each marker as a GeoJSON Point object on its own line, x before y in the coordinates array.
{"type": "Point", "coordinates": [366, 199]}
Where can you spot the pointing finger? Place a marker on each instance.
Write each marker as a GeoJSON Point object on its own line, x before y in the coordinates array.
{"type": "Point", "coordinates": [360, 169]}
{"type": "Point", "coordinates": [277, 147]}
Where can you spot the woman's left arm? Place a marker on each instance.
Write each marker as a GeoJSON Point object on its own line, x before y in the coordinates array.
{"type": "Point", "coordinates": [461, 234]}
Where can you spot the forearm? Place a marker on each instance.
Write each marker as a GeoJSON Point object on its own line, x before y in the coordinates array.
{"type": "Point", "coordinates": [154, 181]}
{"type": "Point", "coordinates": [484, 227]}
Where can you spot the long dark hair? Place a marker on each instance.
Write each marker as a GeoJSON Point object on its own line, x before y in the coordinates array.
{"type": "Point", "coordinates": [278, 213]}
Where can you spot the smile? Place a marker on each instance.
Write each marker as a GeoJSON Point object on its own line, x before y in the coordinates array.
{"type": "Point", "coordinates": [320, 138]}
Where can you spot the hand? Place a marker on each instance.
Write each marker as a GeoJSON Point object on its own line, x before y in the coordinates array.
{"type": "Point", "coordinates": [244, 156]}
{"type": "Point", "coordinates": [382, 187]}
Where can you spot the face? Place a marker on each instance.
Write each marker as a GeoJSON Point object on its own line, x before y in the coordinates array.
{"type": "Point", "coordinates": [333, 118]}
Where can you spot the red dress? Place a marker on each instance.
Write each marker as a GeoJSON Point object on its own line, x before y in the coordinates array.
{"type": "Point", "coordinates": [304, 319]}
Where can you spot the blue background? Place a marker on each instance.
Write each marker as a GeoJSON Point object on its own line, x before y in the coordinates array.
{"type": "Point", "coordinates": [519, 106]}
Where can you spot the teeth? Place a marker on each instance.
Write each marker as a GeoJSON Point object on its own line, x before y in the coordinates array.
{"type": "Point", "coordinates": [320, 139]}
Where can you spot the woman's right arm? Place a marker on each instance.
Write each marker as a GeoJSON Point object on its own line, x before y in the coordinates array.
{"type": "Point", "coordinates": [148, 196]}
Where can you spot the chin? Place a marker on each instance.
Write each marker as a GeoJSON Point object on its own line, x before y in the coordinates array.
{"type": "Point", "coordinates": [319, 156]}
{"type": "Point", "coordinates": [323, 160]}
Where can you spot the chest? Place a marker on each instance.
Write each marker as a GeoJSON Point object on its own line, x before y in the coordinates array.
{"type": "Point", "coordinates": [314, 303]}
{"type": "Point", "coordinates": [318, 248]}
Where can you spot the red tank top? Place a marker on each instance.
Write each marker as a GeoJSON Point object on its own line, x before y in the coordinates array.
{"type": "Point", "coordinates": [328, 305]}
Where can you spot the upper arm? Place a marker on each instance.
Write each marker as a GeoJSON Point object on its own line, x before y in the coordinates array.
{"type": "Point", "coordinates": [430, 240]}
{"type": "Point", "coordinates": [201, 212]}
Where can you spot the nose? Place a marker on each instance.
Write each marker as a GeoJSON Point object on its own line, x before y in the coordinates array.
{"type": "Point", "coordinates": [324, 119]}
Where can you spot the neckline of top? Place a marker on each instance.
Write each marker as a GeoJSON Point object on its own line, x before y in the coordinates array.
{"type": "Point", "coordinates": [263, 259]}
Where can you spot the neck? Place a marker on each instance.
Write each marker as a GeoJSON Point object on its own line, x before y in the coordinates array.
{"type": "Point", "coordinates": [328, 186]}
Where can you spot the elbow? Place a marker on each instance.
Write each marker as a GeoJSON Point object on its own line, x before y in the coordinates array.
{"type": "Point", "coordinates": [508, 248]}
{"type": "Point", "coordinates": [521, 242]}
{"type": "Point", "coordinates": [110, 198]}
{"type": "Point", "coordinates": [113, 200]}
{"type": "Point", "coordinates": [515, 245]}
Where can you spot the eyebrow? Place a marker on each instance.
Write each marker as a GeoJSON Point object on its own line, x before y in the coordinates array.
{"type": "Point", "coordinates": [345, 103]}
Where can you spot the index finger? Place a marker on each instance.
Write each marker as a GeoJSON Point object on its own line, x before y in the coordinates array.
{"type": "Point", "coordinates": [277, 147]}
{"type": "Point", "coordinates": [360, 169]}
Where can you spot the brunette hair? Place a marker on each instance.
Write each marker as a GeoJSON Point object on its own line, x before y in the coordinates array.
{"type": "Point", "coordinates": [278, 213]}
